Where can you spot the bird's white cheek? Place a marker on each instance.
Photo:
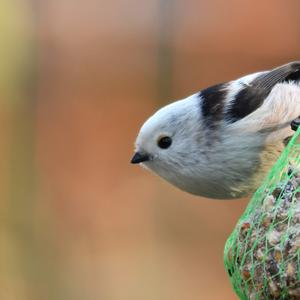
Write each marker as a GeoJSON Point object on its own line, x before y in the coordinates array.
{"type": "Point", "coordinates": [145, 166]}
{"type": "Point", "coordinates": [152, 166]}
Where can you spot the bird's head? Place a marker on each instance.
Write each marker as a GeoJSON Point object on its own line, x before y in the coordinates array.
{"type": "Point", "coordinates": [168, 142]}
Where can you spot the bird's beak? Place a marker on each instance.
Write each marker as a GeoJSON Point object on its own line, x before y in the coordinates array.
{"type": "Point", "coordinates": [139, 157]}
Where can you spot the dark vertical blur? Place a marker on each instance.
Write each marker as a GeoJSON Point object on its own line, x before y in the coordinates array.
{"type": "Point", "coordinates": [165, 48]}
{"type": "Point", "coordinates": [77, 80]}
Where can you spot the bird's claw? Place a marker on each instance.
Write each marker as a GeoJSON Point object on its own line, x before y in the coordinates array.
{"type": "Point", "coordinates": [295, 124]}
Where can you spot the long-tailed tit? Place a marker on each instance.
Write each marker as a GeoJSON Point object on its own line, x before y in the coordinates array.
{"type": "Point", "coordinates": [221, 142]}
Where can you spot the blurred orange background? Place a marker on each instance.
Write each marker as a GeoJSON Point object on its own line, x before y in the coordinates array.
{"type": "Point", "coordinates": [77, 80]}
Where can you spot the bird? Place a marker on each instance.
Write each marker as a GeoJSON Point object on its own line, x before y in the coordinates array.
{"type": "Point", "coordinates": [221, 142]}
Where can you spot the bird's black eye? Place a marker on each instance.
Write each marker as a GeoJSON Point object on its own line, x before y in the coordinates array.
{"type": "Point", "coordinates": [164, 142]}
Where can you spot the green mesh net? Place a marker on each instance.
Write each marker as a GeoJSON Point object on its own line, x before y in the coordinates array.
{"type": "Point", "coordinates": [262, 255]}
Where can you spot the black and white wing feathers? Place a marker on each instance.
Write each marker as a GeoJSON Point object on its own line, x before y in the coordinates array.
{"type": "Point", "coordinates": [237, 99]}
{"type": "Point", "coordinates": [252, 95]}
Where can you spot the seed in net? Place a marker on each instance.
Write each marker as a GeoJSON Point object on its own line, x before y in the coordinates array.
{"type": "Point", "coordinates": [273, 288]}
{"type": "Point", "coordinates": [274, 237]}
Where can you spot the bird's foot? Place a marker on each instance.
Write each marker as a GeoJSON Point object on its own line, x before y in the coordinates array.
{"type": "Point", "coordinates": [295, 124]}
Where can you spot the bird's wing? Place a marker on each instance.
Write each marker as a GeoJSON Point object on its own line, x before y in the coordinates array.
{"type": "Point", "coordinates": [251, 95]}
{"type": "Point", "coordinates": [268, 103]}
{"type": "Point", "coordinates": [268, 80]}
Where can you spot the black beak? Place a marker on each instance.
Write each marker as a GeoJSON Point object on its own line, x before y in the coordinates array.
{"type": "Point", "coordinates": [139, 157]}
